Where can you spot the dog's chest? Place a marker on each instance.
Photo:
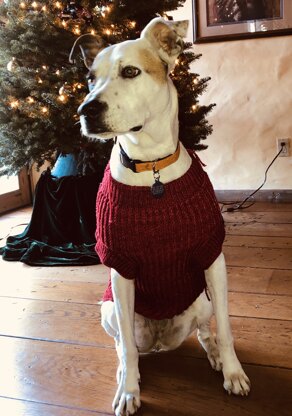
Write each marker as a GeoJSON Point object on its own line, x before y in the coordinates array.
{"type": "Point", "coordinates": [165, 334]}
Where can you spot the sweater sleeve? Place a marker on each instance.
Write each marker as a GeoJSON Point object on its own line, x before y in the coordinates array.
{"type": "Point", "coordinates": [208, 251]}
{"type": "Point", "coordinates": [123, 264]}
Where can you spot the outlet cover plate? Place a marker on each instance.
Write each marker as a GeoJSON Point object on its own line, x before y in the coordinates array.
{"type": "Point", "coordinates": [286, 149]}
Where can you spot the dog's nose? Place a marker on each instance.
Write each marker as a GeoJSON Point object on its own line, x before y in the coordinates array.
{"type": "Point", "coordinates": [91, 109]}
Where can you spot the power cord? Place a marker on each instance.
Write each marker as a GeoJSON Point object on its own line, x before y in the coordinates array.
{"type": "Point", "coordinates": [240, 205]}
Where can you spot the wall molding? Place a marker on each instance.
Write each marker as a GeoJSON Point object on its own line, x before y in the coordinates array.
{"type": "Point", "coordinates": [267, 195]}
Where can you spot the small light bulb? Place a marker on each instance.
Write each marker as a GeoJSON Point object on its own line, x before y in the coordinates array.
{"type": "Point", "coordinates": [44, 67]}
{"type": "Point", "coordinates": [93, 32]}
{"type": "Point", "coordinates": [44, 8]}
{"type": "Point", "coordinates": [44, 110]}
{"type": "Point", "coordinates": [14, 104]}
{"type": "Point", "coordinates": [30, 100]}
{"type": "Point", "coordinates": [58, 5]}
{"type": "Point", "coordinates": [40, 81]}
{"type": "Point", "coordinates": [107, 32]}
{"type": "Point", "coordinates": [34, 4]}
{"type": "Point", "coordinates": [57, 72]}
{"type": "Point", "coordinates": [62, 98]}
{"type": "Point", "coordinates": [133, 24]}
{"type": "Point", "coordinates": [64, 23]}
{"type": "Point", "coordinates": [194, 107]}
{"type": "Point", "coordinates": [76, 30]}
{"type": "Point", "coordinates": [22, 5]}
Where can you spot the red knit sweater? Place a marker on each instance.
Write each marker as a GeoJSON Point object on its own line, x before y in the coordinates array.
{"type": "Point", "coordinates": [164, 244]}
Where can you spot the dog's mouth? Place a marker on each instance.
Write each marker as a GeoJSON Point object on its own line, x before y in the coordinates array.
{"type": "Point", "coordinates": [136, 128]}
{"type": "Point", "coordinates": [97, 128]}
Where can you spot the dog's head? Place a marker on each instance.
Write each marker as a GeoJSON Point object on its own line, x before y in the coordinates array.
{"type": "Point", "coordinates": [129, 81]}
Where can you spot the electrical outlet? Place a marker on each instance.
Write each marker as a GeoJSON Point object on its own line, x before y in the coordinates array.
{"type": "Point", "coordinates": [286, 148]}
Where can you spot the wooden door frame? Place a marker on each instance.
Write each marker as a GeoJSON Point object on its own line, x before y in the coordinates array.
{"type": "Point", "coordinates": [18, 198]}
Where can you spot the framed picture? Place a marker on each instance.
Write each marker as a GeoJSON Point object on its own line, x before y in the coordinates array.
{"type": "Point", "coordinates": [221, 20]}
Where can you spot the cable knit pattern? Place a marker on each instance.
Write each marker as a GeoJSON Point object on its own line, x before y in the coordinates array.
{"type": "Point", "coordinates": [164, 244]}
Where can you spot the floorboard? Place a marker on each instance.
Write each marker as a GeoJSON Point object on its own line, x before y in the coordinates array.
{"type": "Point", "coordinates": [261, 281]}
{"type": "Point", "coordinates": [256, 241]}
{"type": "Point", "coordinates": [259, 229]}
{"type": "Point", "coordinates": [276, 258]}
{"type": "Point", "coordinates": [12, 407]}
{"type": "Point", "coordinates": [258, 217]}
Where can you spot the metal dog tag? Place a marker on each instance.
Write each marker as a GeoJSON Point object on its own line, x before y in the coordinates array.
{"type": "Point", "coordinates": [157, 189]}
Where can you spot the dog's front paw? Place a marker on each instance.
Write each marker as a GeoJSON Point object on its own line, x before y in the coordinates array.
{"type": "Point", "coordinates": [127, 399]}
{"type": "Point", "coordinates": [235, 380]}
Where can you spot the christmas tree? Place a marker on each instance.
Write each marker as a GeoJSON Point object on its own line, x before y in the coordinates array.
{"type": "Point", "coordinates": [41, 91]}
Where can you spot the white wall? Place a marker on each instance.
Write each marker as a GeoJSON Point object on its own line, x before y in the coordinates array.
{"type": "Point", "coordinates": [252, 87]}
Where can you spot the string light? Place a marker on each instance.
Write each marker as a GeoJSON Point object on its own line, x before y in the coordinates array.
{"type": "Point", "coordinates": [34, 5]}
{"type": "Point", "coordinates": [44, 8]}
{"type": "Point", "coordinates": [44, 110]}
{"type": "Point", "coordinates": [64, 23]}
{"type": "Point", "coordinates": [40, 81]}
{"type": "Point", "coordinates": [93, 32]}
{"type": "Point", "coordinates": [107, 32]}
{"type": "Point", "coordinates": [77, 30]}
{"type": "Point", "coordinates": [30, 100]}
{"type": "Point", "coordinates": [14, 104]}
{"type": "Point", "coordinates": [58, 5]}
{"type": "Point", "coordinates": [22, 5]}
{"type": "Point", "coordinates": [57, 72]}
{"type": "Point", "coordinates": [77, 86]}
{"type": "Point", "coordinates": [195, 81]}
{"type": "Point", "coordinates": [44, 67]}
{"type": "Point", "coordinates": [194, 107]}
{"type": "Point", "coordinates": [62, 98]}
{"type": "Point", "coordinates": [133, 24]}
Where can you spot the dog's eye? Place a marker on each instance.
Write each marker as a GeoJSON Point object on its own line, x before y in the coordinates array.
{"type": "Point", "coordinates": [130, 72]}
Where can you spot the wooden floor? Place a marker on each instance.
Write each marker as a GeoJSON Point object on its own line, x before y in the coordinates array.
{"type": "Point", "coordinates": [57, 361]}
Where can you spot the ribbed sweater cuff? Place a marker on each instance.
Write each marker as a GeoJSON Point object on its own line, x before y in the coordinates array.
{"type": "Point", "coordinates": [208, 253]}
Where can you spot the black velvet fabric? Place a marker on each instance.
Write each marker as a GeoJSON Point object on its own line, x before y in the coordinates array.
{"type": "Point", "coordinates": [62, 227]}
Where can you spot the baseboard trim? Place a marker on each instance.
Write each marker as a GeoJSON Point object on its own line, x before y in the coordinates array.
{"type": "Point", "coordinates": [266, 195]}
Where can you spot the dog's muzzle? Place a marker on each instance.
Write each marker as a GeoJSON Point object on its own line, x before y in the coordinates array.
{"type": "Point", "coordinates": [93, 112]}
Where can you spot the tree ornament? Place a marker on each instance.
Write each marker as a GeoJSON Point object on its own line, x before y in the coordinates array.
{"type": "Point", "coordinates": [66, 89]}
{"type": "Point", "coordinates": [75, 12]}
{"type": "Point", "coordinates": [12, 65]}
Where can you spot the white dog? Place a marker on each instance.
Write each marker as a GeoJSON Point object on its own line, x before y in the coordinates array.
{"type": "Point", "coordinates": [159, 227]}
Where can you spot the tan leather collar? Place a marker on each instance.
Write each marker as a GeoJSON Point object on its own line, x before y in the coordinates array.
{"type": "Point", "coordinates": [138, 166]}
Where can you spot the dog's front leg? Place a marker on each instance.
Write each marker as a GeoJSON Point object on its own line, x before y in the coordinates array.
{"type": "Point", "coordinates": [235, 380]}
{"type": "Point", "coordinates": [127, 398]}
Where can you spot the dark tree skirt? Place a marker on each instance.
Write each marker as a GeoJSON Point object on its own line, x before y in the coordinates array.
{"type": "Point", "coordinates": [62, 227]}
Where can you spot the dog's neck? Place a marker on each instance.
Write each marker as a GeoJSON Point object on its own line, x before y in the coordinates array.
{"type": "Point", "coordinates": [158, 139]}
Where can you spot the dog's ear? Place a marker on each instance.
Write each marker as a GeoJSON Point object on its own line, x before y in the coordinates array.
{"type": "Point", "coordinates": [89, 45]}
{"type": "Point", "coordinates": [166, 37]}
